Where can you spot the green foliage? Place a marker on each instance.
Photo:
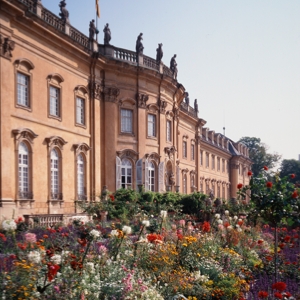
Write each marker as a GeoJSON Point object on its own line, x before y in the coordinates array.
{"type": "Point", "coordinates": [291, 166]}
{"type": "Point", "coordinates": [126, 195]}
{"type": "Point", "coordinates": [258, 153]}
{"type": "Point", "coordinates": [193, 203]}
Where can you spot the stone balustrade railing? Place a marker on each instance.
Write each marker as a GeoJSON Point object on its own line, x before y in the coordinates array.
{"type": "Point", "coordinates": [188, 109]}
{"type": "Point", "coordinates": [35, 7]}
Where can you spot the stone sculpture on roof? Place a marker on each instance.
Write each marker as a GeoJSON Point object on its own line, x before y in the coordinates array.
{"type": "Point", "coordinates": [92, 29]}
{"type": "Point", "coordinates": [64, 13]}
{"type": "Point", "coordinates": [173, 66]}
{"type": "Point", "coordinates": [159, 53]}
{"type": "Point", "coordinates": [139, 45]}
{"type": "Point", "coordinates": [107, 34]}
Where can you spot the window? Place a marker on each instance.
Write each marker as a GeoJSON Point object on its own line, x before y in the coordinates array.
{"type": "Point", "coordinates": [81, 189]}
{"type": "Point", "coordinates": [80, 111]}
{"type": "Point", "coordinates": [23, 89]}
{"type": "Point", "coordinates": [55, 175]}
{"type": "Point", "coordinates": [54, 101]}
{"type": "Point", "coordinates": [223, 165]}
{"type": "Point", "coordinates": [184, 184]}
{"type": "Point", "coordinates": [218, 164]}
{"type": "Point", "coordinates": [184, 149]}
{"type": "Point", "coordinates": [169, 131]}
{"type": "Point", "coordinates": [126, 120]}
{"type": "Point", "coordinates": [126, 173]}
{"type": "Point", "coordinates": [223, 192]}
{"type": "Point", "coordinates": [207, 160]}
{"type": "Point", "coordinates": [24, 183]}
{"type": "Point", "coordinates": [201, 187]}
{"type": "Point", "coordinates": [151, 170]}
{"type": "Point", "coordinates": [218, 193]}
{"type": "Point", "coordinates": [193, 152]}
{"type": "Point", "coordinates": [151, 125]}
{"type": "Point", "coordinates": [201, 158]}
{"type": "Point", "coordinates": [213, 162]}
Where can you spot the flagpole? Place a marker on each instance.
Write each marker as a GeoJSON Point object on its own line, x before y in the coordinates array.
{"type": "Point", "coordinates": [96, 27]}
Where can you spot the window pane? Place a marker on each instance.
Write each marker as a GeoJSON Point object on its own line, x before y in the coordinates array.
{"type": "Point", "coordinates": [23, 89]}
{"type": "Point", "coordinates": [126, 120]}
{"type": "Point", "coordinates": [54, 101]}
{"type": "Point", "coordinates": [151, 125]}
{"type": "Point", "coordinates": [80, 111]}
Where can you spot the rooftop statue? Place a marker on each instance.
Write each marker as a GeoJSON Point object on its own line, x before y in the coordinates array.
{"type": "Point", "coordinates": [139, 45]}
{"type": "Point", "coordinates": [92, 29]}
{"type": "Point", "coordinates": [196, 105]}
{"type": "Point", "coordinates": [187, 99]}
{"type": "Point", "coordinates": [64, 14]}
{"type": "Point", "coordinates": [159, 53]}
{"type": "Point", "coordinates": [107, 34]}
{"type": "Point", "coordinates": [173, 66]}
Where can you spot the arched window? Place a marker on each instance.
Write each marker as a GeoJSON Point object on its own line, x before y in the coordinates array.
{"type": "Point", "coordinates": [192, 183]}
{"type": "Point", "coordinates": [126, 173]}
{"type": "Point", "coordinates": [81, 189]}
{"type": "Point", "coordinates": [55, 175]}
{"type": "Point", "coordinates": [151, 172]}
{"type": "Point", "coordinates": [24, 177]}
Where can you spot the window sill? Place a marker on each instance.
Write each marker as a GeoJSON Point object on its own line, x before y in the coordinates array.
{"type": "Point", "coordinates": [127, 133]}
{"type": "Point", "coordinates": [80, 125]}
{"type": "Point", "coordinates": [152, 138]}
{"type": "Point", "coordinates": [28, 108]}
{"type": "Point", "coordinates": [54, 117]}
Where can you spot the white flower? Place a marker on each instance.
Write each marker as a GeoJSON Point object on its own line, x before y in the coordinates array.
{"type": "Point", "coordinates": [34, 257]}
{"type": "Point", "coordinates": [226, 212]}
{"type": "Point", "coordinates": [230, 218]}
{"type": "Point", "coordinates": [163, 214]}
{"type": "Point", "coordinates": [56, 259]}
{"type": "Point", "coordinates": [220, 221]}
{"type": "Point", "coordinates": [126, 230]}
{"type": "Point", "coordinates": [90, 267]}
{"type": "Point", "coordinates": [239, 229]}
{"type": "Point", "coordinates": [114, 232]}
{"type": "Point", "coordinates": [9, 225]}
{"type": "Point", "coordinates": [229, 227]}
{"type": "Point", "coordinates": [235, 218]}
{"type": "Point", "coordinates": [95, 234]}
{"type": "Point", "coordinates": [217, 216]}
{"type": "Point", "coordinates": [146, 223]}
{"type": "Point", "coordinates": [237, 226]}
{"type": "Point", "coordinates": [240, 220]}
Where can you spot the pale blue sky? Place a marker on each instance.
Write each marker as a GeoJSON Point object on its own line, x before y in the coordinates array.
{"type": "Point", "coordinates": [239, 58]}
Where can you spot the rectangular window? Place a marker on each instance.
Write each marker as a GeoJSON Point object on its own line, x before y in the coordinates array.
{"type": "Point", "coordinates": [223, 165]}
{"type": "Point", "coordinates": [184, 150]}
{"type": "Point", "coordinates": [193, 152]}
{"type": "Point", "coordinates": [218, 164]}
{"type": "Point", "coordinates": [151, 125]}
{"type": "Point", "coordinates": [54, 101]}
{"type": "Point", "coordinates": [126, 121]}
{"type": "Point", "coordinates": [23, 89]}
{"type": "Point", "coordinates": [80, 119]}
{"type": "Point", "coordinates": [213, 162]}
{"type": "Point", "coordinates": [207, 160]}
{"type": "Point", "coordinates": [201, 158]}
{"type": "Point", "coordinates": [169, 136]}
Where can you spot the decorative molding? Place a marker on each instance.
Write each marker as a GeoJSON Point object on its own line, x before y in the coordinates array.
{"type": "Point", "coordinates": [184, 171]}
{"type": "Point", "coordinates": [55, 76]}
{"type": "Point", "coordinates": [24, 133]}
{"type": "Point", "coordinates": [111, 94]}
{"type": "Point", "coordinates": [142, 100]}
{"type": "Point", "coordinates": [82, 89]}
{"type": "Point", "coordinates": [24, 62]}
{"type": "Point", "coordinates": [162, 105]}
{"type": "Point", "coordinates": [82, 147]}
{"type": "Point", "coordinates": [128, 153]}
{"type": "Point", "coordinates": [153, 156]}
{"type": "Point", "coordinates": [193, 172]}
{"type": "Point", "coordinates": [6, 47]}
{"type": "Point", "coordinates": [170, 152]}
{"type": "Point", "coordinates": [96, 90]}
{"type": "Point", "coordinates": [176, 113]}
{"type": "Point", "coordinates": [55, 141]}
{"type": "Point", "coordinates": [153, 107]}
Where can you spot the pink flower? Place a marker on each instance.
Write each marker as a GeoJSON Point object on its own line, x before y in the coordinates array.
{"type": "Point", "coordinates": [221, 227]}
{"type": "Point", "coordinates": [182, 222]}
{"type": "Point", "coordinates": [30, 237]}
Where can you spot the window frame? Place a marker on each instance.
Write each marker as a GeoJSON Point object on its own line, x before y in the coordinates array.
{"type": "Point", "coordinates": [154, 116]}
{"type": "Point", "coordinates": [81, 195]}
{"type": "Point", "coordinates": [192, 152]}
{"type": "Point", "coordinates": [154, 170]}
{"type": "Point", "coordinates": [207, 160]}
{"type": "Point", "coordinates": [131, 120]}
{"type": "Point", "coordinates": [184, 149]}
{"type": "Point", "coordinates": [55, 195]}
{"type": "Point", "coordinates": [54, 81]}
{"type": "Point", "coordinates": [169, 131]}
{"type": "Point", "coordinates": [83, 112]}
{"type": "Point", "coordinates": [126, 184]}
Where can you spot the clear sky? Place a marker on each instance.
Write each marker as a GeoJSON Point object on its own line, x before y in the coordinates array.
{"type": "Point", "coordinates": [239, 58]}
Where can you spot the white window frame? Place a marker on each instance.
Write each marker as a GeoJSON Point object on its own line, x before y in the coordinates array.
{"type": "Point", "coordinates": [81, 182]}
{"type": "Point", "coordinates": [23, 171]}
{"type": "Point", "coordinates": [151, 177]}
{"type": "Point", "coordinates": [80, 111]}
{"type": "Point", "coordinates": [126, 173]}
{"type": "Point", "coordinates": [54, 101]}
{"type": "Point", "coordinates": [126, 120]}
{"type": "Point", "coordinates": [169, 131]}
{"type": "Point", "coordinates": [55, 175]}
{"type": "Point", "coordinates": [151, 125]}
{"type": "Point", "coordinates": [23, 90]}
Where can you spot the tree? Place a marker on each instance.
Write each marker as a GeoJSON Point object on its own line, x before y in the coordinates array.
{"type": "Point", "coordinates": [289, 167]}
{"type": "Point", "coordinates": [259, 155]}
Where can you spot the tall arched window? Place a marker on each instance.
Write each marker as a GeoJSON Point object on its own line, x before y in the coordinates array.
{"type": "Point", "coordinates": [126, 173]}
{"type": "Point", "coordinates": [81, 190]}
{"type": "Point", "coordinates": [23, 165]}
{"type": "Point", "coordinates": [184, 184]}
{"type": "Point", "coordinates": [151, 170]}
{"type": "Point", "coordinates": [55, 175]}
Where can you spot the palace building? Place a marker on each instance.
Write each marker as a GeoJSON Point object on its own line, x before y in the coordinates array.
{"type": "Point", "coordinates": [76, 116]}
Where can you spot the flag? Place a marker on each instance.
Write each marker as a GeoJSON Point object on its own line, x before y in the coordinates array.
{"type": "Point", "coordinates": [97, 8]}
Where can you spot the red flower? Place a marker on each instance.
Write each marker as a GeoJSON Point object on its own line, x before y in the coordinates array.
{"type": "Point", "coordinates": [52, 271]}
{"type": "Point", "coordinates": [262, 294]}
{"type": "Point", "coordinates": [180, 236]}
{"type": "Point", "coordinates": [206, 227]}
{"type": "Point", "coordinates": [269, 258]}
{"type": "Point", "coordinates": [287, 294]}
{"type": "Point", "coordinates": [259, 242]}
{"type": "Point", "coordinates": [292, 176]}
{"type": "Point", "coordinates": [12, 256]}
{"type": "Point", "coordinates": [82, 242]}
{"type": "Point", "coordinates": [280, 286]}
{"type": "Point", "coordinates": [269, 184]}
{"type": "Point", "coordinates": [112, 198]}
{"type": "Point", "coordinates": [239, 186]}
{"type": "Point", "coordinates": [278, 295]}
{"type": "Point", "coordinates": [250, 173]}
{"type": "Point", "coordinates": [3, 237]}
{"type": "Point", "coordinates": [295, 194]}
{"type": "Point", "coordinates": [154, 238]}
{"type": "Point", "coordinates": [287, 238]}
{"type": "Point", "coordinates": [266, 168]}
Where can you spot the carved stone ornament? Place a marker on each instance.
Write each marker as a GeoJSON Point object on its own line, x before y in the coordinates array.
{"type": "Point", "coordinates": [142, 100]}
{"type": "Point", "coordinates": [162, 105]}
{"type": "Point", "coordinates": [55, 141]}
{"type": "Point", "coordinates": [96, 90]}
{"type": "Point", "coordinates": [64, 13]}
{"type": "Point", "coordinates": [24, 133]}
{"type": "Point", "coordinates": [82, 147]}
{"type": "Point", "coordinates": [170, 152]}
{"type": "Point", "coordinates": [111, 94]}
{"type": "Point", "coordinates": [153, 156]}
{"type": "Point", "coordinates": [184, 171]}
{"type": "Point", "coordinates": [129, 153]}
{"type": "Point", "coordinates": [176, 113]}
{"type": "Point", "coordinates": [6, 47]}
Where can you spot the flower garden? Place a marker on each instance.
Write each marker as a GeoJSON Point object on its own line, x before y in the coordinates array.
{"type": "Point", "coordinates": [161, 246]}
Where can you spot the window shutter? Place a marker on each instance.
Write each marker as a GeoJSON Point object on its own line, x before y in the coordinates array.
{"type": "Point", "coordinates": [139, 173]}
{"type": "Point", "coordinates": [178, 176]}
{"type": "Point", "coordinates": [118, 173]}
{"type": "Point", "coordinates": [161, 171]}
{"type": "Point", "coordinates": [146, 175]}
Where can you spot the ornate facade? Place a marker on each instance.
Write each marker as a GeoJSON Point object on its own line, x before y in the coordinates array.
{"type": "Point", "coordinates": [77, 116]}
